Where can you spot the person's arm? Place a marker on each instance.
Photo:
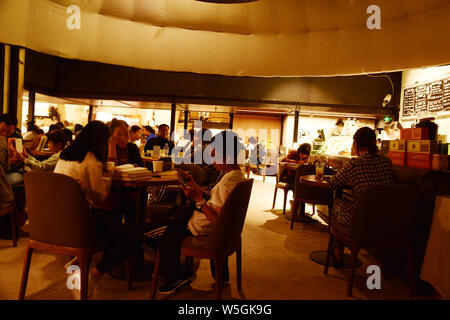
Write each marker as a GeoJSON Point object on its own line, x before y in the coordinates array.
{"type": "Point", "coordinates": [210, 213]}
{"type": "Point", "coordinates": [112, 150]}
{"type": "Point", "coordinates": [134, 155]}
{"type": "Point", "coordinates": [291, 157]}
{"type": "Point", "coordinates": [46, 165]}
{"type": "Point", "coordinates": [343, 177]}
{"type": "Point", "coordinates": [98, 186]}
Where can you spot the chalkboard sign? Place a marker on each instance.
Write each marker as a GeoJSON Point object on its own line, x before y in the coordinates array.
{"type": "Point", "coordinates": [430, 97]}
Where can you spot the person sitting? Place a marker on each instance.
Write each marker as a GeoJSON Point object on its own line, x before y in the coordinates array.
{"type": "Point", "coordinates": [198, 221]}
{"type": "Point", "coordinates": [161, 140]}
{"type": "Point", "coordinates": [299, 156]}
{"type": "Point", "coordinates": [135, 134]}
{"type": "Point", "coordinates": [85, 161]}
{"type": "Point", "coordinates": [148, 133]}
{"type": "Point", "coordinates": [69, 134]}
{"type": "Point", "coordinates": [57, 141]}
{"type": "Point", "coordinates": [32, 131]}
{"type": "Point", "coordinates": [77, 129]}
{"type": "Point", "coordinates": [257, 152]}
{"type": "Point", "coordinates": [121, 151]}
{"type": "Point", "coordinates": [359, 173]}
{"type": "Point", "coordinates": [6, 191]}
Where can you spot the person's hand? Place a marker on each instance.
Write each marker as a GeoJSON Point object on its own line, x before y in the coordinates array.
{"type": "Point", "coordinates": [186, 177]}
{"type": "Point", "coordinates": [22, 156]}
{"type": "Point", "coordinates": [193, 194]}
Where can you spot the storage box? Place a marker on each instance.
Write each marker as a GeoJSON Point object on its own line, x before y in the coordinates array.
{"type": "Point", "coordinates": [414, 134]}
{"type": "Point", "coordinates": [397, 145]}
{"type": "Point", "coordinates": [421, 146]}
{"type": "Point", "coordinates": [398, 158]}
{"type": "Point", "coordinates": [419, 160]}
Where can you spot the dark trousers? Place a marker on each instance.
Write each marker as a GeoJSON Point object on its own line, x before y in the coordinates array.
{"type": "Point", "coordinates": [169, 244]}
{"type": "Point", "coordinates": [120, 240]}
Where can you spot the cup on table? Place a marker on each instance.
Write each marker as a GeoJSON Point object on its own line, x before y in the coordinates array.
{"type": "Point", "coordinates": [110, 166]}
{"type": "Point", "coordinates": [156, 151]}
{"type": "Point", "coordinates": [158, 166]}
{"type": "Point", "coordinates": [320, 167]}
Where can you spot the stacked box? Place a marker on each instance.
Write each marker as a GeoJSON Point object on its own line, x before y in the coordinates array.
{"type": "Point", "coordinates": [419, 153]}
{"type": "Point", "coordinates": [397, 152]}
{"type": "Point", "coordinates": [414, 134]}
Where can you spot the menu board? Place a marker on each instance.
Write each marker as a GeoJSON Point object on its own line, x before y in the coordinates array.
{"type": "Point", "coordinates": [430, 97]}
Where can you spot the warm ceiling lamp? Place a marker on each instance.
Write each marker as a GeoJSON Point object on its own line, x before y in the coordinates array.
{"type": "Point", "coordinates": [227, 1]}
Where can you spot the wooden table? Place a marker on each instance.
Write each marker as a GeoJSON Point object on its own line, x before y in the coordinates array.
{"type": "Point", "coordinates": [142, 272]}
{"type": "Point", "coordinates": [311, 180]}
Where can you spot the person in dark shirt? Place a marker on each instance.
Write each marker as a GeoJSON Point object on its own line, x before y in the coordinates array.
{"type": "Point", "coordinates": [148, 133]}
{"type": "Point", "coordinates": [161, 140]}
{"type": "Point", "coordinates": [121, 151]}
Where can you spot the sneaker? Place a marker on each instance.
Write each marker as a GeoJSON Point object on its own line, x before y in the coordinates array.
{"type": "Point", "coordinates": [171, 287]}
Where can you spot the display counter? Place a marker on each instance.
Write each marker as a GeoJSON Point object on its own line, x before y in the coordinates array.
{"type": "Point", "coordinates": [336, 149]}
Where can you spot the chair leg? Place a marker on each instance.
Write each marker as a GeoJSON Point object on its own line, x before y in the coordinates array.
{"type": "Point", "coordinates": [284, 201]}
{"type": "Point", "coordinates": [353, 259]}
{"type": "Point", "coordinates": [25, 273]}
{"type": "Point", "coordinates": [129, 267]}
{"type": "Point", "coordinates": [274, 197]}
{"type": "Point", "coordinates": [239, 268]}
{"type": "Point", "coordinates": [297, 204]}
{"type": "Point", "coordinates": [13, 219]}
{"type": "Point", "coordinates": [85, 262]}
{"type": "Point", "coordinates": [218, 264]}
{"type": "Point", "coordinates": [411, 271]}
{"type": "Point", "coordinates": [155, 277]}
{"type": "Point", "coordinates": [329, 253]}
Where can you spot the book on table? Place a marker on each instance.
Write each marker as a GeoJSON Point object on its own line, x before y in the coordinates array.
{"type": "Point", "coordinates": [130, 172]}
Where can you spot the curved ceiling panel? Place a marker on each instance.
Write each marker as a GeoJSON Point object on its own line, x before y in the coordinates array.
{"type": "Point", "coordinates": [261, 38]}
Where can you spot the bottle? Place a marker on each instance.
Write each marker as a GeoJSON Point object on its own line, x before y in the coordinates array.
{"type": "Point", "coordinates": [166, 150]}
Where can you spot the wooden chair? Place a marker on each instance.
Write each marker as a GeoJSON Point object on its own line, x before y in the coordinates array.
{"type": "Point", "coordinates": [10, 209]}
{"type": "Point", "coordinates": [309, 194]}
{"type": "Point", "coordinates": [385, 217]}
{"type": "Point", "coordinates": [281, 185]}
{"type": "Point", "coordinates": [224, 239]}
{"type": "Point", "coordinates": [60, 223]}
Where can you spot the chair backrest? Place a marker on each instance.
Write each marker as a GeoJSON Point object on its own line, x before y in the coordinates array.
{"type": "Point", "coordinates": [385, 214]}
{"type": "Point", "coordinates": [58, 211]}
{"type": "Point", "coordinates": [314, 194]}
{"type": "Point", "coordinates": [227, 229]}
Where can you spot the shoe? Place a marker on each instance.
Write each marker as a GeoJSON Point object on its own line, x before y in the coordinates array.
{"type": "Point", "coordinates": [171, 287]}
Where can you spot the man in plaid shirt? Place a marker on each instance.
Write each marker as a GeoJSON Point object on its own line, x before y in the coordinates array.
{"type": "Point", "coordinates": [359, 173]}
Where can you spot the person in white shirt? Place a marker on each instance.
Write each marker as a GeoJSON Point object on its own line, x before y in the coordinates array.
{"type": "Point", "coordinates": [84, 160]}
{"type": "Point", "coordinates": [200, 221]}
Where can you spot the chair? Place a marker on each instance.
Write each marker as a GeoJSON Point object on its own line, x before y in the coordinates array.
{"type": "Point", "coordinates": [224, 239]}
{"type": "Point", "coordinates": [281, 185]}
{"type": "Point", "coordinates": [310, 194]}
{"type": "Point", "coordinates": [384, 217]}
{"type": "Point", "coordinates": [11, 210]}
{"type": "Point", "coordinates": [60, 223]}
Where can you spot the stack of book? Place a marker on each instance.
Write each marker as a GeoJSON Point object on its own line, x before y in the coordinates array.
{"type": "Point", "coordinates": [130, 173]}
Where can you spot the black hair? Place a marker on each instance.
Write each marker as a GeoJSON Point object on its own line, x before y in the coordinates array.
{"type": "Point", "coordinates": [304, 148]}
{"type": "Point", "coordinates": [39, 131]}
{"type": "Point", "coordinates": [227, 138]}
{"type": "Point", "coordinates": [53, 127]}
{"type": "Point", "coordinates": [339, 123]}
{"type": "Point", "coordinates": [78, 127]}
{"type": "Point", "coordinates": [163, 125]}
{"type": "Point", "coordinates": [69, 134]}
{"type": "Point", "coordinates": [60, 124]}
{"type": "Point", "coordinates": [58, 137]}
{"type": "Point", "coordinates": [9, 119]}
{"type": "Point", "coordinates": [366, 138]}
{"type": "Point", "coordinates": [149, 129]}
{"type": "Point", "coordinates": [135, 129]}
{"type": "Point", "coordinates": [93, 138]}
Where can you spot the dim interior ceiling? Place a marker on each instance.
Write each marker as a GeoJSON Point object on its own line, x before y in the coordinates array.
{"type": "Point", "coordinates": [259, 38]}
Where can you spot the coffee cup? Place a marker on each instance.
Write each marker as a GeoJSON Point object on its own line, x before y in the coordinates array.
{"type": "Point", "coordinates": [158, 166]}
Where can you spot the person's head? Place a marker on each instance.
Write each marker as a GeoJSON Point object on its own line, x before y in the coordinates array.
{"type": "Point", "coordinates": [226, 149]}
{"type": "Point", "coordinates": [339, 125]}
{"type": "Point", "coordinates": [78, 127]}
{"type": "Point", "coordinates": [304, 151]}
{"type": "Point", "coordinates": [54, 127]}
{"type": "Point", "coordinates": [8, 125]}
{"type": "Point", "coordinates": [30, 126]}
{"type": "Point", "coordinates": [119, 129]}
{"type": "Point", "coordinates": [135, 133]}
{"type": "Point", "coordinates": [147, 130]}
{"type": "Point", "coordinates": [365, 140]}
{"type": "Point", "coordinates": [253, 140]}
{"type": "Point", "coordinates": [57, 141]}
{"type": "Point", "coordinates": [60, 124]}
{"type": "Point", "coordinates": [69, 134]}
{"type": "Point", "coordinates": [93, 138]}
{"type": "Point", "coordinates": [163, 131]}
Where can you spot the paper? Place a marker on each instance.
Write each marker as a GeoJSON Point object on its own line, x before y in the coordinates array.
{"type": "Point", "coordinates": [19, 145]}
